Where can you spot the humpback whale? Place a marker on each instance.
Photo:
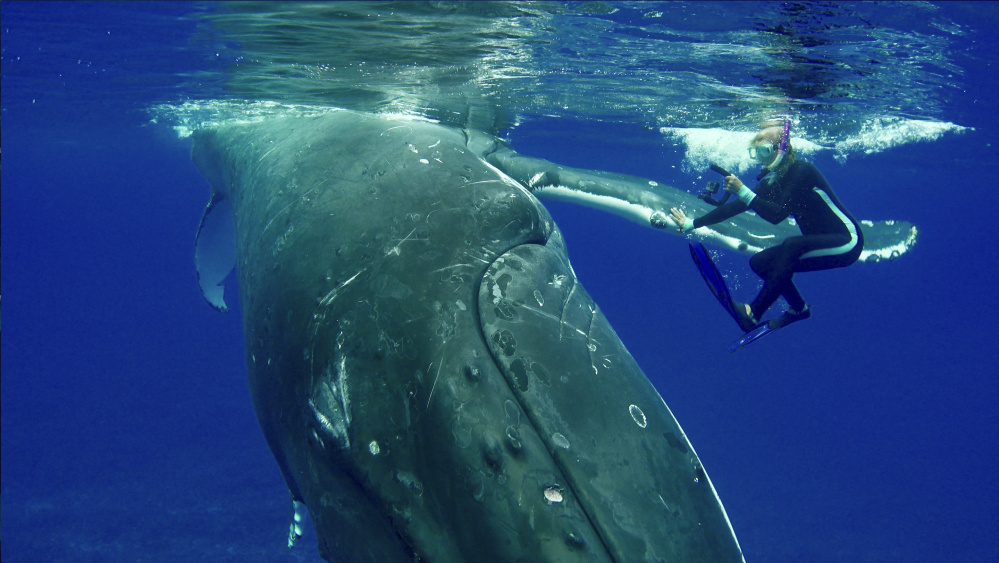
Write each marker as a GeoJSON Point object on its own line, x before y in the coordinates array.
{"type": "Point", "coordinates": [433, 381]}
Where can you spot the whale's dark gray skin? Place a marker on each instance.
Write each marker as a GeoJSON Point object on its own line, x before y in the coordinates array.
{"type": "Point", "coordinates": [433, 380]}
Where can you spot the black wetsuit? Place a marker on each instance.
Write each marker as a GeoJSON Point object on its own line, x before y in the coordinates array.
{"type": "Point", "coordinates": [830, 236]}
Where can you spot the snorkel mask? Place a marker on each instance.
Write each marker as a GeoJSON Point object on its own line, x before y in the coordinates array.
{"type": "Point", "coordinates": [762, 153]}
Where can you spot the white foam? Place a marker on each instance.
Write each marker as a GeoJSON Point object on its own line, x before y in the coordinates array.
{"type": "Point", "coordinates": [189, 116]}
{"type": "Point", "coordinates": [728, 148]}
{"type": "Point", "coordinates": [882, 133]}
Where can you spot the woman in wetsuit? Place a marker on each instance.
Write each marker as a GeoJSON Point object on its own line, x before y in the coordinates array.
{"type": "Point", "coordinates": [830, 236]}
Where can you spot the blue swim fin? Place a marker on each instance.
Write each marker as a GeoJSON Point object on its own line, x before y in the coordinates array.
{"type": "Point", "coordinates": [768, 327]}
{"type": "Point", "coordinates": [718, 287]}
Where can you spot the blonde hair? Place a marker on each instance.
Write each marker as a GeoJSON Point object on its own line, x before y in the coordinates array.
{"type": "Point", "coordinates": [771, 135]}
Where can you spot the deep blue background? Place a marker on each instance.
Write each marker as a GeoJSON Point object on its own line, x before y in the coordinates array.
{"type": "Point", "coordinates": [866, 434]}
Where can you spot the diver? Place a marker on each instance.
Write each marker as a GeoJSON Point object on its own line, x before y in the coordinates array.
{"type": "Point", "coordinates": [830, 236]}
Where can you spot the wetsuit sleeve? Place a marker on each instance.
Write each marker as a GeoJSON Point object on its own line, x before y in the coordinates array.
{"type": "Point", "coordinates": [771, 200]}
{"type": "Point", "coordinates": [720, 213]}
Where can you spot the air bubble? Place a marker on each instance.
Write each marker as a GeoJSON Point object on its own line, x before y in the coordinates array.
{"type": "Point", "coordinates": [638, 415]}
{"type": "Point", "coordinates": [374, 448]}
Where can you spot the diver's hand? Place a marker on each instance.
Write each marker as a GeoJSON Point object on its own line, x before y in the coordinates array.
{"type": "Point", "coordinates": [733, 184]}
{"type": "Point", "coordinates": [679, 217]}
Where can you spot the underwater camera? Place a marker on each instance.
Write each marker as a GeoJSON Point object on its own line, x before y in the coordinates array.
{"type": "Point", "coordinates": [707, 196]}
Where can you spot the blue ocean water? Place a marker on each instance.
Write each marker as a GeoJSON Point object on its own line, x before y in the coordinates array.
{"type": "Point", "coordinates": [865, 434]}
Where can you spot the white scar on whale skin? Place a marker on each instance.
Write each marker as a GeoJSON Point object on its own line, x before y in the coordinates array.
{"type": "Point", "coordinates": [440, 364]}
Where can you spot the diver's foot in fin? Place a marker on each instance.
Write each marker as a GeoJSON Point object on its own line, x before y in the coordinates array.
{"type": "Point", "coordinates": [766, 328]}
{"type": "Point", "coordinates": [806, 312]}
{"type": "Point", "coordinates": [744, 316]}
{"type": "Point", "coordinates": [791, 316]}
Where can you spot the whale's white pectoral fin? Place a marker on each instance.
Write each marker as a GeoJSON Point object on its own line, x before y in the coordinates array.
{"type": "Point", "coordinates": [647, 202]}
{"type": "Point", "coordinates": [215, 250]}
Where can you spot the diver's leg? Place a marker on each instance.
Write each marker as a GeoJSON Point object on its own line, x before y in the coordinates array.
{"type": "Point", "coordinates": [790, 293]}
{"type": "Point", "coordinates": [807, 262]}
{"type": "Point", "coordinates": [789, 257]}
{"type": "Point", "coordinates": [776, 266]}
